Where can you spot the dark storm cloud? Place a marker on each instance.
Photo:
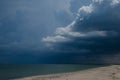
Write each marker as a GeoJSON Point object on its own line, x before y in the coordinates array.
{"type": "Point", "coordinates": [95, 33]}
{"type": "Point", "coordinates": [25, 22]}
{"type": "Point", "coordinates": [22, 25]}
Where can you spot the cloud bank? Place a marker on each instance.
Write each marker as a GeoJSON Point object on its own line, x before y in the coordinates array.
{"type": "Point", "coordinates": [24, 22]}
{"type": "Point", "coordinates": [96, 30]}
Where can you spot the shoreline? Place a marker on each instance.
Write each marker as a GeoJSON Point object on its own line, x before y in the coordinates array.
{"type": "Point", "coordinates": [100, 73]}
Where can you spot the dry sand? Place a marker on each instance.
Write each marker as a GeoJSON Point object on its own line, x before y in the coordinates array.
{"type": "Point", "coordinates": [101, 73]}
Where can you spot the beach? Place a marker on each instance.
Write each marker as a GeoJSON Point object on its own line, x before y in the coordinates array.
{"type": "Point", "coordinates": [15, 71]}
{"type": "Point", "coordinates": [111, 72]}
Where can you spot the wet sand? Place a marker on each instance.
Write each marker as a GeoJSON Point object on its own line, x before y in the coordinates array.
{"type": "Point", "coordinates": [102, 73]}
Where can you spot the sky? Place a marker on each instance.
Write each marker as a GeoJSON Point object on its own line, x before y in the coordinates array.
{"type": "Point", "coordinates": [59, 31]}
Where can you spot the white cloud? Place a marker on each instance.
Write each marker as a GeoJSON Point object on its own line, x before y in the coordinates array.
{"type": "Point", "coordinates": [85, 10]}
{"type": "Point", "coordinates": [64, 34]}
{"type": "Point", "coordinates": [55, 39]}
{"type": "Point", "coordinates": [62, 31]}
{"type": "Point", "coordinates": [114, 2]}
{"type": "Point", "coordinates": [96, 34]}
{"type": "Point", "coordinates": [67, 31]}
{"type": "Point", "coordinates": [98, 1]}
{"type": "Point", "coordinates": [83, 34]}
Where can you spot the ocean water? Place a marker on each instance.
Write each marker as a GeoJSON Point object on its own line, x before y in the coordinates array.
{"type": "Point", "coordinates": [9, 72]}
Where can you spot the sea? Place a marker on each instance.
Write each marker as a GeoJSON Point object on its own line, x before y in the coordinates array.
{"type": "Point", "coordinates": [16, 71]}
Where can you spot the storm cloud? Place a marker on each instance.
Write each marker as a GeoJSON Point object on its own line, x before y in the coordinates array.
{"type": "Point", "coordinates": [59, 31]}
{"type": "Point", "coordinates": [94, 32]}
{"type": "Point", "coordinates": [24, 23]}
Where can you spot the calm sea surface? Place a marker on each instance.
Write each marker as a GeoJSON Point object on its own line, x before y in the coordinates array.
{"type": "Point", "coordinates": [9, 72]}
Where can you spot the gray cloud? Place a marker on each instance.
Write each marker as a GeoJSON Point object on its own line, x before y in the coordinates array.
{"type": "Point", "coordinates": [96, 29]}
{"type": "Point", "coordinates": [89, 22]}
{"type": "Point", "coordinates": [23, 23]}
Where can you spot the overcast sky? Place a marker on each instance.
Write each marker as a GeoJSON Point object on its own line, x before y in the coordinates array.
{"type": "Point", "coordinates": [46, 31]}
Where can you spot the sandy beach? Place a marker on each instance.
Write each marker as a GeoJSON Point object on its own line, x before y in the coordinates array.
{"type": "Point", "coordinates": [101, 73]}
